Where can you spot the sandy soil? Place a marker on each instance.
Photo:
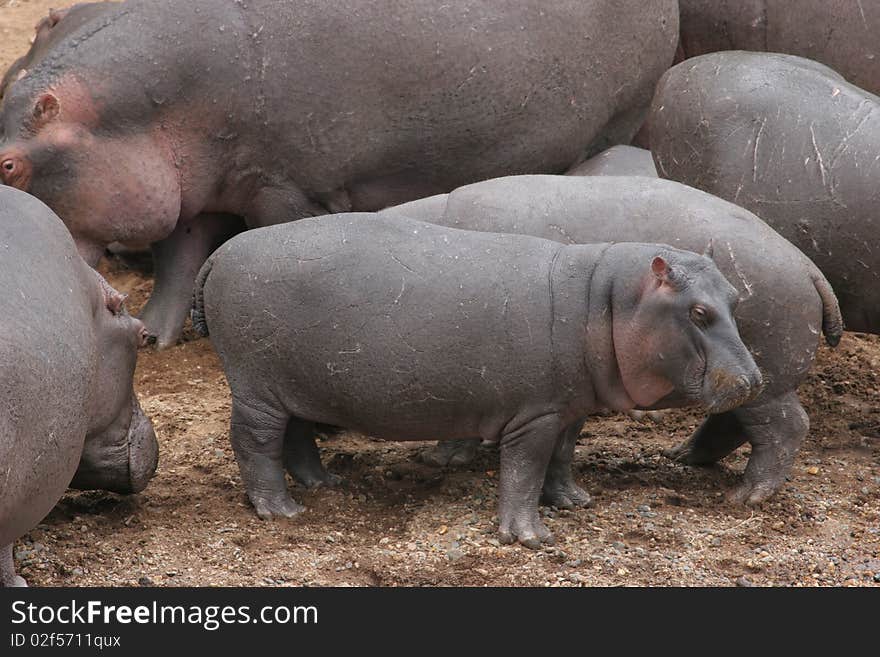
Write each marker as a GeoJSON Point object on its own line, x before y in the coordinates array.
{"type": "Point", "coordinates": [398, 522]}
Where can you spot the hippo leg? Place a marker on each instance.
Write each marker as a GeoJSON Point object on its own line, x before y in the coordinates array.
{"type": "Point", "coordinates": [775, 429]}
{"type": "Point", "coordinates": [257, 437]}
{"type": "Point", "coordinates": [451, 453]}
{"type": "Point", "coordinates": [525, 454]}
{"type": "Point", "coordinates": [7, 568]}
{"type": "Point", "coordinates": [176, 262]}
{"type": "Point", "coordinates": [560, 489]}
{"type": "Point", "coordinates": [302, 459]}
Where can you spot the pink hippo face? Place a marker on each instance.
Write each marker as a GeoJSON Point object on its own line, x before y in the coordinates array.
{"type": "Point", "coordinates": [106, 180]}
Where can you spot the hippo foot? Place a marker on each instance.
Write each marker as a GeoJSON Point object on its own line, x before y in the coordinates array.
{"type": "Point", "coordinates": [17, 582]}
{"type": "Point", "coordinates": [163, 327]}
{"type": "Point", "coordinates": [686, 454]}
{"type": "Point", "coordinates": [269, 506]}
{"type": "Point", "coordinates": [528, 530]}
{"type": "Point", "coordinates": [450, 453]}
{"type": "Point", "coordinates": [751, 492]}
{"type": "Point", "coordinates": [315, 480]}
{"type": "Point", "coordinates": [565, 496]}
{"type": "Point", "coordinates": [657, 417]}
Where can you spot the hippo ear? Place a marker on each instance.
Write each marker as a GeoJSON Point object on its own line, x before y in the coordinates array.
{"type": "Point", "coordinates": [662, 271]}
{"type": "Point", "coordinates": [113, 300]}
{"type": "Point", "coordinates": [709, 251]}
{"type": "Point", "coordinates": [45, 110]}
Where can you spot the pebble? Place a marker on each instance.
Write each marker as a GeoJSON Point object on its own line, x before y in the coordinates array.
{"type": "Point", "coordinates": [145, 581]}
{"type": "Point", "coordinates": [877, 577]}
{"type": "Point", "coordinates": [744, 582]}
{"type": "Point", "coordinates": [454, 554]}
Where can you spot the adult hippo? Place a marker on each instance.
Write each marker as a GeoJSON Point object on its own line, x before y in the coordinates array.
{"type": "Point", "coordinates": [785, 299]}
{"type": "Point", "coordinates": [407, 330]}
{"type": "Point", "coordinates": [68, 413]}
{"type": "Point", "coordinates": [841, 34]}
{"type": "Point", "coordinates": [164, 122]}
{"type": "Point", "coordinates": [794, 143]}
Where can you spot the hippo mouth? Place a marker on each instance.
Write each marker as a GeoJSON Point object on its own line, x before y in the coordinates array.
{"type": "Point", "coordinates": [726, 391]}
{"type": "Point", "coordinates": [123, 465]}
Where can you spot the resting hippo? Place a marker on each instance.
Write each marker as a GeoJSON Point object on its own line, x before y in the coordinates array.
{"type": "Point", "coordinates": [618, 160]}
{"type": "Point", "coordinates": [794, 143]}
{"type": "Point", "coordinates": [839, 33]}
{"type": "Point", "coordinates": [408, 331]}
{"type": "Point", "coordinates": [129, 129]}
{"type": "Point", "coordinates": [68, 354]}
{"type": "Point", "coordinates": [785, 299]}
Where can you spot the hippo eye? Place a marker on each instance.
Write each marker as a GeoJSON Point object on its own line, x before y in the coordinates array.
{"type": "Point", "coordinates": [700, 316]}
{"type": "Point", "coordinates": [9, 165]}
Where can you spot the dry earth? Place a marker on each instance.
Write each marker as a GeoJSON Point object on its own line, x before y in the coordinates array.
{"type": "Point", "coordinates": [397, 522]}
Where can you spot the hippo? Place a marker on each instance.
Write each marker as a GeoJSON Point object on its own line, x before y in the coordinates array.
{"type": "Point", "coordinates": [620, 160]}
{"type": "Point", "coordinates": [129, 129]}
{"type": "Point", "coordinates": [69, 412]}
{"type": "Point", "coordinates": [838, 33]}
{"type": "Point", "coordinates": [785, 302]}
{"type": "Point", "coordinates": [408, 331]}
{"type": "Point", "coordinates": [791, 141]}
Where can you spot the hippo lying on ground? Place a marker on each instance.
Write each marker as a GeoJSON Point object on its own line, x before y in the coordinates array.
{"type": "Point", "coordinates": [129, 128]}
{"type": "Point", "coordinates": [618, 160]}
{"type": "Point", "coordinates": [409, 331]}
{"type": "Point", "coordinates": [839, 33]}
{"type": "Point", "coordinates": [794, 143]}
{"type": "Point", "coordinates": [68, 410]}
{"type": "Point", "coordinates": [786, 300]}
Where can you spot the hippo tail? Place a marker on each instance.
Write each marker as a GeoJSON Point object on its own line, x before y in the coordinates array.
{"type": "Point", "coordinates": [832, 320]}
{"type": "Point", "coordinates": [197, 314]}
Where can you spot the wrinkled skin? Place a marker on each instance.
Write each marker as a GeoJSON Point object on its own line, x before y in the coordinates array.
{"type": "Point", "coordinates": [841, 34]}
{"type": "Point", "coordinates": [410, 331]}
{"type": "Point", "coordinates": [68, 352]}
{"type": "Point", "coordinates": [152, 145]}
{"type": "Point", "coordinates": [785, 300]}
{"type": "Point", "coordinates": [792, 142]}
{"type": "Point", "coordinates": [618, 160]}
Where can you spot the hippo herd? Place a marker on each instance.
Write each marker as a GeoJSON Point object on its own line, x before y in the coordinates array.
{"type": "Point", "coordinates": [429, 221]}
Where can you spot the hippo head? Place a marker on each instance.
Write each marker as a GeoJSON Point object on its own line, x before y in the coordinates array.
{"type": "Point", "coordinates": [676, 340]}
{"type": "Point", "coordinates": [120, 452]}
{"type": "Point", "coordinates": [107, 181]}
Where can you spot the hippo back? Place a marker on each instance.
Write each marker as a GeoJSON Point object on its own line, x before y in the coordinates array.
{"type": "Point", "coordinates": [45, 347]}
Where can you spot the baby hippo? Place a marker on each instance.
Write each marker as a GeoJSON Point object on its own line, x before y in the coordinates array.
{"type": "Point", "coordinates": [411, 331]}
{"type": "Point", "coordinates": [67, 407]}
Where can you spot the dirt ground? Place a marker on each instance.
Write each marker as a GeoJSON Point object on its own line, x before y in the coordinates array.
{"type": "Point", "coordinates": [397, 522]}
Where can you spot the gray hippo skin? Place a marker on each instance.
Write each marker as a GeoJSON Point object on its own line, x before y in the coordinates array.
{"type": "Point", "coordinates": [792, 142]}
{"type": "Point", "coordinates": [409, 331]}
{"type": "Point", "coordinates": [785, 299]}
{"type": "Point", "coordinates": [68, 410]}
{"type": "Point", "coordinates": [620, 160]}
{"type": "Point", "coordinates": [129, 128]}
{"type": "Point", "coordinates": [841, 34]}
{"type": "Point", "coordinates": [48, 32]}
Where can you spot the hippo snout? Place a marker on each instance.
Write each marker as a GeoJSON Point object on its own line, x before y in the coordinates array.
{"type": "Point", "coordinates": [143, 450]}
{"type": "Point", "coordinates": [726, 390]}
{"type": "Point", "coordinates": [120, 461]}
